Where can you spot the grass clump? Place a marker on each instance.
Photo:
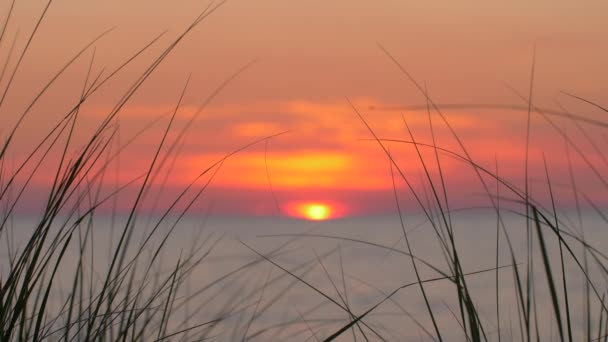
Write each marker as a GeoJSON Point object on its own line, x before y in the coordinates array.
{"type": "Point", "coordinates": [127, 297]}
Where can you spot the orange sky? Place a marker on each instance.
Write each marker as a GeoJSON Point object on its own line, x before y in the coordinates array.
{"type": "Point", "coordinates": [311, 56]}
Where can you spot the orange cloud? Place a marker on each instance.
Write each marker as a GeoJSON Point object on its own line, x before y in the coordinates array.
{"type": "Point", "coordinates": [294, 170]}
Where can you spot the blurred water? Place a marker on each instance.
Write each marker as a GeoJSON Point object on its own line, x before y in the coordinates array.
{"type": "Point", "coordinates": [357, 261]}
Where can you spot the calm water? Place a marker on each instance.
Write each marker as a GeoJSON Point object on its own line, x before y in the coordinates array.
{"type": "Point", "coordinates": [354, 261]}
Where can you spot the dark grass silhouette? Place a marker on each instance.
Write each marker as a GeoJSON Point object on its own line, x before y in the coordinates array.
{"type": "Point", "coordinates": [136, 298]}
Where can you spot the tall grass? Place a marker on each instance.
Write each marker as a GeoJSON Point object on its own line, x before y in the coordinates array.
{"type": "Point", "coordinates": [129, 299]}
{"type": "Point", "coordinates": [545, 219]}
{"type": "Point", "coordinates": [541, 219]}
{"type": "Point", "coordinates": [135, 293]}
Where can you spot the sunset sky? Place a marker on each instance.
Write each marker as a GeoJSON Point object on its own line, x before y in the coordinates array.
{"type": "Point", "coordinates": [309, 58]}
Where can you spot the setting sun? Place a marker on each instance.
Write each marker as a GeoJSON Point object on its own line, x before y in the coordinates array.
{"type": "Point", "coordinates": [317, 212]}
{"type": "Point", "coordinates": [314, 211]}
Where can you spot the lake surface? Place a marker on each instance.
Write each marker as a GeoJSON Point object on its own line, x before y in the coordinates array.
{"type": "Point", "coordinates": [356, 262]}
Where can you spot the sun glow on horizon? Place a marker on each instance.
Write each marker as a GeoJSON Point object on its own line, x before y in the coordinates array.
{"type": "Point", "coordinates": [313, 211]}
{"type": "Point", "coordinates": [317, 212]}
